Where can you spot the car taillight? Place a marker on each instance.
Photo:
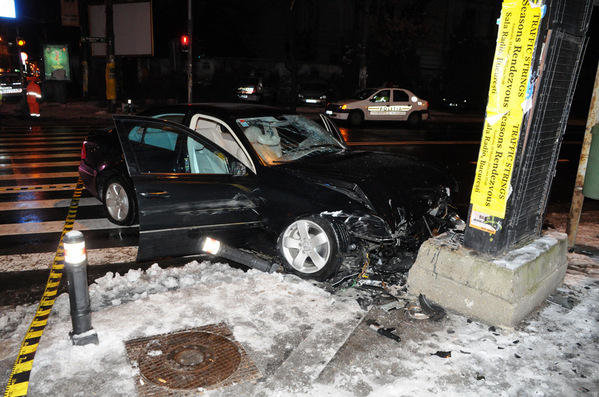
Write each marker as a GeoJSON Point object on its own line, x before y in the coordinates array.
{"type": "Point", "coordinates": [83, 151]}
{"type": "Point", "coordinates": [426, 104]}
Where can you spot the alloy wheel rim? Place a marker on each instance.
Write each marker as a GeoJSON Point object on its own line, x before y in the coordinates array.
{"type": "Point", "coordinates": [117, 202]}
{"type": "Point", "coordinates": [306, 246]}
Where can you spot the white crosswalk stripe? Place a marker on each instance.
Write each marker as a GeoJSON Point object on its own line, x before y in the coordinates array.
{"type": "Point", "coordinates": [38, 174]}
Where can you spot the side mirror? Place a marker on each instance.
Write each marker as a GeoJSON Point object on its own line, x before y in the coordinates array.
{"type": "Point", "coordinates": [238, 169]}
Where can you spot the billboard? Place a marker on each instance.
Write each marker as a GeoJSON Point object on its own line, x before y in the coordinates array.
{"type": "Point", "coordinates": [56, 62]}
{"type": "Point", "coordinates": [133, 31]}
{"type": "Point", "coordinates": [7, 9]}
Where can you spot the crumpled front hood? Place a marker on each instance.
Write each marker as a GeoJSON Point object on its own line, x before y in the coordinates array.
{"type": "Point", "coordinates": [406, 181]}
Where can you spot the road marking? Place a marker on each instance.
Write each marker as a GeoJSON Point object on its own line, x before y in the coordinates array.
{"type": "Point", "coordinates": [11, 229]}
{"type": "Point", "coordinates": [18, 382]}
{"type": "Point", "coordinates": [56, 203]}
{"type": "Point", "coordinates": [37, 188]}
{"type": "Point", "coordinates": [74, 153]}
{"type": "Point", "coordinates": [40, 165]}
{"type": "Point", "coordinates": [39, 175]}
{"type": "Point", "coordinates": [41, 143]}
{"type": "Point", "coordinates": [406, 143]}
{"type": "Point", "coordinates": [33, 138]}
{"type": "Point", "coordinates": [42, 149]}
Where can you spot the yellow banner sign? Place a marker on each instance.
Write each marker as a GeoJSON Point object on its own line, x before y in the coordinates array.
{"type": "Point", "coordinates": [509, 99]}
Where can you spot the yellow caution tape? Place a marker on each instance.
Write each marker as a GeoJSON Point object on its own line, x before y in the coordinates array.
{"type": "Point", "coordinates": [509, 94]}
{"type": "Point", "coordinates": [18, 382]}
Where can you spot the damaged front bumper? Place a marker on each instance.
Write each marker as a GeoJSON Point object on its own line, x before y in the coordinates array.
{"type": "Point", "coordinates": [365, 227]}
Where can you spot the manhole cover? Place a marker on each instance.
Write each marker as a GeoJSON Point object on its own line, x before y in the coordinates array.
{"type": "Point", "coordinates": [201, 358]}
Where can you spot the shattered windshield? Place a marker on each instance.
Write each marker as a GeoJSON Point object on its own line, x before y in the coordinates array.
{"type": "Point", "coordinates": [363, 94]}
{"type": "Point", "coordinates": [287, 138]}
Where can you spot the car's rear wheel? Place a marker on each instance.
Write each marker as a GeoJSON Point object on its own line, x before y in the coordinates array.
{"type": "Point", "coordinates": [356, 118]}
{"type": "Point", "coordinates": [310, 248]}
{"type": "Point", "coordinates": [119, 202]}
{"type": "Point", "coordinates": [414, 119]}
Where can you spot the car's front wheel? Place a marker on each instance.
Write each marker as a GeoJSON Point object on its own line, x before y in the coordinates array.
{"type": "Point", "coordinates": [356, 117]}
{"type": "Point", "coordinates": [119, 202]}
{"type": "Point", "coordinates": [311, 248]}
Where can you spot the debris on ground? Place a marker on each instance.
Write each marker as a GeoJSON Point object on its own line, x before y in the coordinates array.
{"type": "Point", "coordinates": [442, 354]}
{"type": "Point", "coordinates": [386, 332]}
{"type": "Point", "coordinates": [435, 312]}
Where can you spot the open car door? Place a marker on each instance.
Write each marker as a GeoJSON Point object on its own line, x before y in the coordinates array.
{"type": "Point", "coordinates": [186, 188]}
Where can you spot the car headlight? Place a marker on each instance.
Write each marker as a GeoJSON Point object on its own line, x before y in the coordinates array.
{"type": "Point", "coordinates": [324, 97]}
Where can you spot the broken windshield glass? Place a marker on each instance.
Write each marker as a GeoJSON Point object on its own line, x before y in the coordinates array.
{"type": "Point", "coordinates": [287, 138]}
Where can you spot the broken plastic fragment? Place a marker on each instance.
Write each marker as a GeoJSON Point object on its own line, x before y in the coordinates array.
{"type": "Point", "coordinates": [435, 312]}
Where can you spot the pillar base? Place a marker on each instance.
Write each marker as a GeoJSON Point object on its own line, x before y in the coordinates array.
{"type": "Point", "coordinates": [499, 291]}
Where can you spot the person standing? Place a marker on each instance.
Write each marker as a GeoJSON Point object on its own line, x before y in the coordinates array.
{"type": "Point", "coordinates": [34, 93]}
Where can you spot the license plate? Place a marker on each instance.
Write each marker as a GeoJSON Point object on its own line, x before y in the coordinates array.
{"type": "Point", "coordinates": [329, 112]}
{"type": "Point", "coordinates": [243, 96]}
{"type": "Point", "coordinates": [311, 101]}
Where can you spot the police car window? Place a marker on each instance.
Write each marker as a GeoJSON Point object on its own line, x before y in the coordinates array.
{"type": "Point", "coordinates": [381, 96]}
{"type": "Point", "coordinates": [400, 96]}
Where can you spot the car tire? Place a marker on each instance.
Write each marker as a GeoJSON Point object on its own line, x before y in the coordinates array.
{"type": "Point", "coordinates": [310, 248]}
{"type": "Point", "coordinates": [119, 202]}
{"type": "Point", "coordinates": [356, 118]}
{"type": "Point", "coordinates": [414, 119]}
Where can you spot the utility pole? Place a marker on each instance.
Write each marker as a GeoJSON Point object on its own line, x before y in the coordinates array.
{"type": "Point", "coordinates": [110, 61]}
{"type": "Point", "coordinates": [577, 196]}
{"type": "Point", "coordinates": [363, 73]}
{"type": "Point", "coordinates": [190, 53]}
{"type": "Point", "coordinates": [85, 47]}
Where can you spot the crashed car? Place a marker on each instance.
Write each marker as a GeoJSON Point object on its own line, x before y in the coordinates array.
{"type": "Point", "coordinates": [263, 179]}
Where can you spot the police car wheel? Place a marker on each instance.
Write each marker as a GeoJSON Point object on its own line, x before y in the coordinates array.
{"type": "Point", "coordinates": [414, 119]}
{"type": "Point", "coordinates": [356, 118]}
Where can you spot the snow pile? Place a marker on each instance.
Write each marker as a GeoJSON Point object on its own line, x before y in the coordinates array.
{"type": "Point", "coordinates": [526, 254]}
{"type": "Point", "coordinates": [269, 314]}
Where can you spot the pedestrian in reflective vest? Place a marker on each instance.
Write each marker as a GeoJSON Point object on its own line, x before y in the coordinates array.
{"type": "Point", "coordinates": [34, 93]}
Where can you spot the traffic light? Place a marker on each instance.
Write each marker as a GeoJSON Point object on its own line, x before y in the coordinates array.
{"type": "Point", "coordinates": [185, 41]}
{"type": "Point", "coordinates": [21, 42]}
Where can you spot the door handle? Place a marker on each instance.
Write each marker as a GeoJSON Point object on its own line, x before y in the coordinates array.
{"type": "Point", "coordinates": [156, 194]}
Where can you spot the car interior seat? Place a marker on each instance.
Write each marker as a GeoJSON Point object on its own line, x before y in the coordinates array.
{"type": "Point", "coordinates": [214, 132]}
{"type": "Point", "coordinates": [203, 160]}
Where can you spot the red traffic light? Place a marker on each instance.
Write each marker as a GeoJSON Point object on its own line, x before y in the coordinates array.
{"type": "Point", "coordinates": [185, 40]}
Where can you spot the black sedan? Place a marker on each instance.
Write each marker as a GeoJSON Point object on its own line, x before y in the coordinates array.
{"type": "Point", "coordinates": [260, 178]}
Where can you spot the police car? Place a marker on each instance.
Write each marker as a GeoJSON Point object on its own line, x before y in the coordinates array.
{"type": "Point", "coordinates": [381, 104]}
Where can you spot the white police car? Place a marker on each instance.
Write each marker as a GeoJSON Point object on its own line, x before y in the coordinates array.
{"type": "Point", "coordinates": [391, 104]}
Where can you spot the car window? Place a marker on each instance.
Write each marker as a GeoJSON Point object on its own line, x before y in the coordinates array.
{"type": "Point", "coordinates": [174, 117]}
{"type": "Point", "coordinates": [287, 138]}
{"type": "Point", "coordinates": [165, 150]}
{"type": "Point", "coordinates": [400, 96]}
{"type": "Point", "coordinates": [381, 96]}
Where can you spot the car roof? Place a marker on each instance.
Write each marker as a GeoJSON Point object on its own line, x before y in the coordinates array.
{"type": "Point", "coordinates": [221, 110]}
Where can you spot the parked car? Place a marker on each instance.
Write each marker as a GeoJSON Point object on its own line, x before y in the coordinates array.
{"type": "Point", "coordinates": [313, 93]}
{"type": "Point", "coordinates": [381, 104]}
{"type": "Point", "coordinates": [255, 89]}
{"type": "Point", "coordinates": [249, 174]}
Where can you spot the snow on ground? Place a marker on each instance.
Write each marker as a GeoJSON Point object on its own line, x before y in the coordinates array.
{"type": "Point", "coordinates": [555, 352]}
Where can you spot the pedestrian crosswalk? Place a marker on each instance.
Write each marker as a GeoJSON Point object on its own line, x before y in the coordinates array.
{"type": "Point", "coordinates": [38, 174]}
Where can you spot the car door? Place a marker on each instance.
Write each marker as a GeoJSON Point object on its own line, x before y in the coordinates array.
{"type": "Point", "coordinates": [401, 106]}
{"type": "Point", "coordinates": [379, 106]}
{"type": "Point", "coordinates": [186, 188]}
